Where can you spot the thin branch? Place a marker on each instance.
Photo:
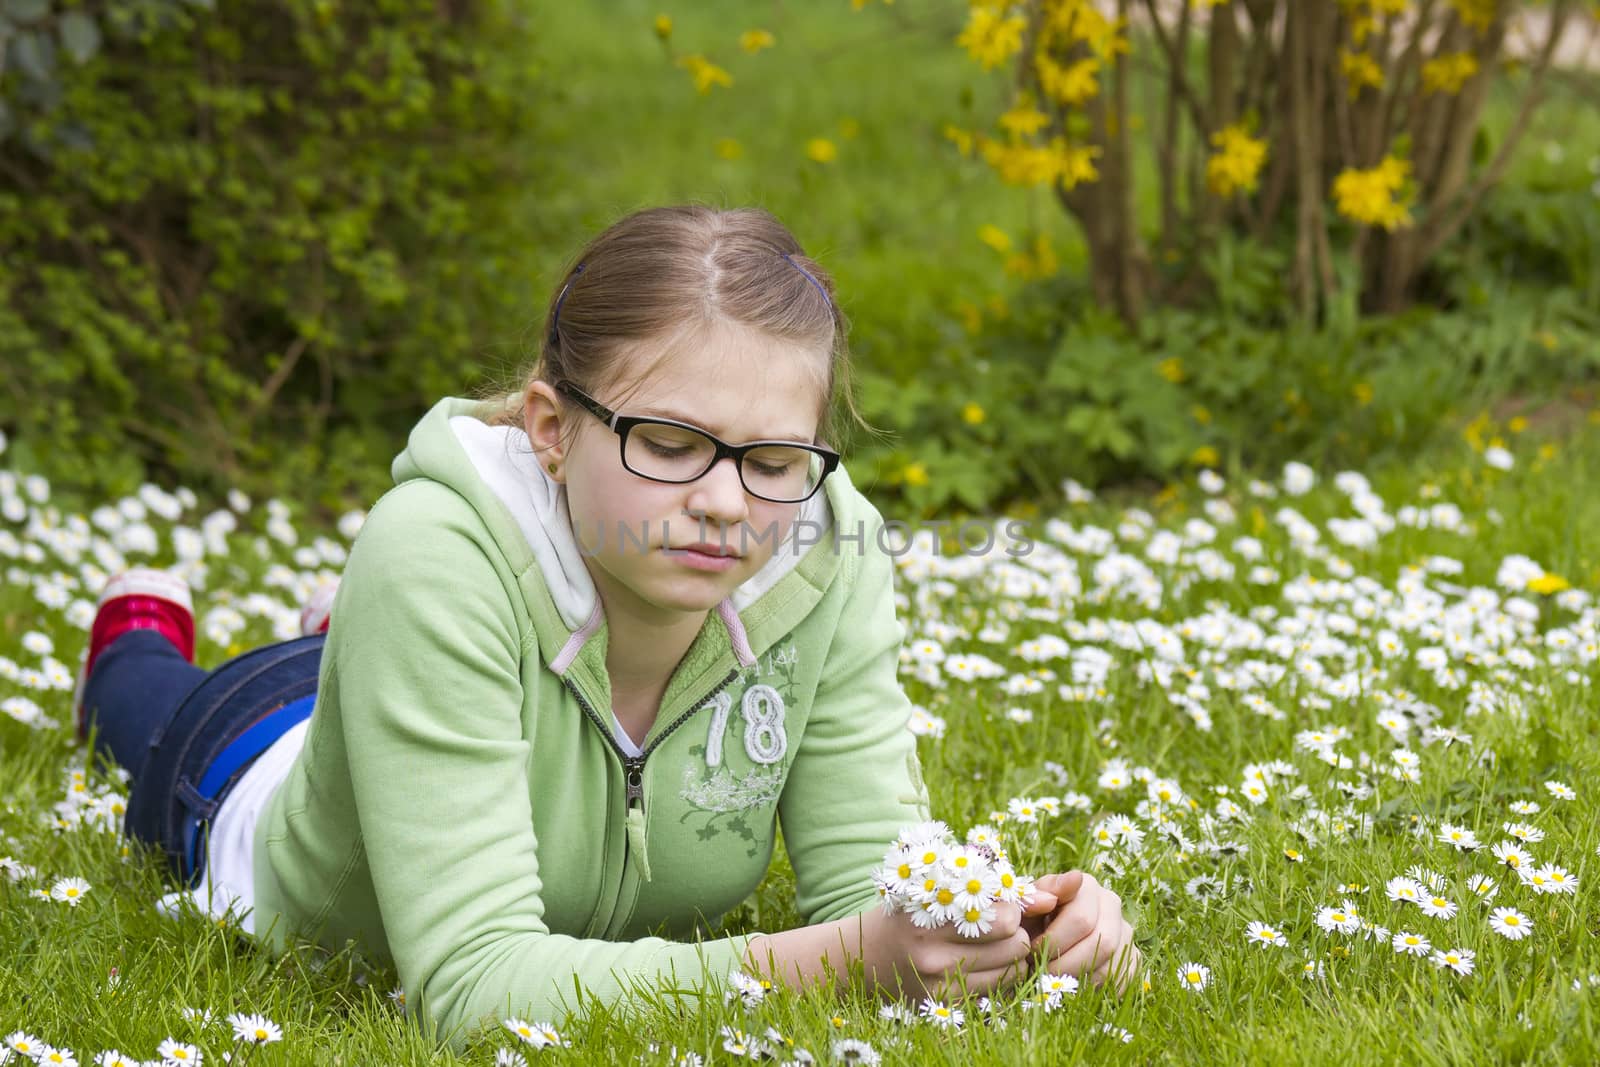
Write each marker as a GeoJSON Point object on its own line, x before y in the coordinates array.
{"type": "Point", "coordinates": [1434, 237]}
{"type": "Point", "coordinates": [1178, 63]}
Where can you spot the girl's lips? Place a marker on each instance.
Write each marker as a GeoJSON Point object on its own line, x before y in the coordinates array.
{"type": "Point", "coordinates": [700, 561]}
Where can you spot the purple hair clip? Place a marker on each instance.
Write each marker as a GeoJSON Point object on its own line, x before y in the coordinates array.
{"type": "Point", "coordinates": [810, 278]}
{"type": "Point", "coordinates": [555, 317]}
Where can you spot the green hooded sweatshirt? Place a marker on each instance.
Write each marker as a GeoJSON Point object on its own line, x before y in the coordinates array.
{"type": "Point", "coordinates": [462, 806]}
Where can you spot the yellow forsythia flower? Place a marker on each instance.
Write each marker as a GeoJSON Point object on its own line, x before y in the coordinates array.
{"type": "Point", "coordinates": [991, 37]}
{"type": "Point", "coordinates": [1076, 164]}
{"type": "Point", "coordinates": [1476, 13]}
{"type": "Point", "coordinates": [1361, 71]}
{"type": "Point", "coordinates": [1024, 119]}
{"type": "Point", "coordinates": [1236, 164]}
{"type": "Point", "coordinates": [1071, 85]}
{"type": "Point", "coordinates": [753, 41]}
{"type": "Point", "coordinates": [1040, 262]}
{"type": "Point", "coordinates": [821, 150]}
{"type": "Point", "coordinates": [971, 316]}
{"type": "Point", "coordinates": [972, 414]}
{"type": "Point", "coordinates": [994, 237]}
{"type": "Point", "coordinates": [915, 474]}
{"type": "Point", "coordinates": [706, 74]}
{"type": "Point", "coordinates": [962, 139]}
{"type": "Point", "coordinates": [1448, 73]}
{"type": "Point", "coordinates": [1380, 196]}
{"type": "Point", "coordinates": [1171, 369]}
{"type": "Point", "coordinates": [663, 26]}
{"type": "Point", "coordinates": [1205, 456]}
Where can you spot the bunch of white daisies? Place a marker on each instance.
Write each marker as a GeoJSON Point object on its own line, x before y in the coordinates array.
{"type": "Point", "coordinates": [938, 880]}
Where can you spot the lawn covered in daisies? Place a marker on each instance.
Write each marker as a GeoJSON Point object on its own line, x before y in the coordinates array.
{"type": "Point", "coordinates": [1329, 736]}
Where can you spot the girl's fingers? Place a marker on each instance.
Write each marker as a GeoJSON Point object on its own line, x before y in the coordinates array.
{"type": "Point", "coordinates": [991, 955]}
{"type": "Point", "coordinates": [1085, 958]}
{"type": "Point", "coordinates": [1040, 903]}
{"type": "Point", "coordinates": [1061, 886]}
{"type": "Point", "coordinates": [1075, 921]}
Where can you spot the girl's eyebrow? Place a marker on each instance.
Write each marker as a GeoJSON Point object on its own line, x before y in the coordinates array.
{"type": "Point", "coordinates": [677, 416]}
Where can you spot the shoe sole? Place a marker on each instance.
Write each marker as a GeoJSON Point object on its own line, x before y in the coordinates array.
{"type": "Point", "coordinates": [140, 581]}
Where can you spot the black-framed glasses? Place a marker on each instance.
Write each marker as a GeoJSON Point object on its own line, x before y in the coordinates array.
{"type": "Point", "coordinates": [665, 450]}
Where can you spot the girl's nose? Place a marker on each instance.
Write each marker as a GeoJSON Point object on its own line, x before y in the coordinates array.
{"type": "Point", "coordinates": [719, 495]}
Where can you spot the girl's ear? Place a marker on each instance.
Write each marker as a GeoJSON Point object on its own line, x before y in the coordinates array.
{"type": "Point", "coordinates": [541, 419]}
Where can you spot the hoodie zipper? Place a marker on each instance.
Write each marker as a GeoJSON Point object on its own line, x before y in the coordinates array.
{"type": "Point", "coordinates": [633, 766]}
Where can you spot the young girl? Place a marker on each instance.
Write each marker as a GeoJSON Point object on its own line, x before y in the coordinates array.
{"type": "Point", "coordinates": [601, 640]}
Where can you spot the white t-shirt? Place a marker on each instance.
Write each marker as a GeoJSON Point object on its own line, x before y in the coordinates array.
{"type": "Point", "coordinates": [228, 882]}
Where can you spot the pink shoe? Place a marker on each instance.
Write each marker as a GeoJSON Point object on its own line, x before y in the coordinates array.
{"type": "Point", "coordinates": [138, 599]}
{"type": "Point", "coordinates": [317, 613]}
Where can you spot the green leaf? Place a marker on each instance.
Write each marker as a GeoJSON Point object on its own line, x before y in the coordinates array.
{"type": "Point", "coordinates": [7, 123]}
{"type": "Point", "coordinates": [25, 10]}
{"type": "Point", "coordinates": [80, 37]}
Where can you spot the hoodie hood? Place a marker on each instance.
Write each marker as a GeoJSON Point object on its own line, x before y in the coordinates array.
{"type": "Point", "coordinates": [525, 510]}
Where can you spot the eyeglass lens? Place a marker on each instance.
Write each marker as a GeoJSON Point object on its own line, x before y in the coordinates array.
{"type": "Point", "coordinates": [676, 454]}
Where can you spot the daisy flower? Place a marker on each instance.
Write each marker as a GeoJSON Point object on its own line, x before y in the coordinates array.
{"type": "Point", "coordinates": [1524, 832]}
{"type": "Point", "coordinates": [1549, 879]}
{"type": "Point", "coordinates": [1484, 886]}
{"type": "Point", "coordinates": [1512, 855]}
{"type": "Point", "coordinates": [1561, 790]}
{"type": "Point", "coordinates": [975, 921]}
{"type": "Point", "coordinates": [69, 891]}
{"type": "Point", "coordinates": [1437, 907]}
{"type": "Point", "coordinates": [51, 1056]}
{"type": "Point", "coordinates": [1342, 918]}
{"type": "Point", "coordinates": [1411, 944]}
{"type": "Point", "coordinates": [1510, 923]}
{"type": "Point", "coordinates": [1408, 890]}
{"type": "Point", "coordinates": [1057, 984]}
{"type": "Point", "coordinates": [941, 1015]}
{"type": "Point", "coordinates": [740, 1043]}
{"type": "Point", "coordinates": [174, 1051]}
{"type": "Point", "coordinates": [24, 1044]}
{"type": "Point", "coordinates": [255, 1029]}
{"type": "Point", "coordinates": [1260, 933]}
{"type": "Point", "coordinates": [1459, 836]}
{"type": "Point", "coordinates": [112, 1058]}
{"type": "Point", "coordinates": [1194, 976]}
{"type": "Point", "coordinates": [1459, 960]}
{"type": "Point", "coordinates": [507, 1057]}
{"type": "Point", "coordinates": [849, 1050]}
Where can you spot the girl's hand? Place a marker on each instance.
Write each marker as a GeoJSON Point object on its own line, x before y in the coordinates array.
{"type": "Point", "coordinates": [1086, 936]}
{"type": "Point", "coordinates": [905, 960]}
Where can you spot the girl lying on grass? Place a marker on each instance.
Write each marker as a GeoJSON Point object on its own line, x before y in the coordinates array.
{"type": "Point", "coordinates": [586, 657]}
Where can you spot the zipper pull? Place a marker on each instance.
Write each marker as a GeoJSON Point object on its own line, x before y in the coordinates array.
{"type": "Point", "coordinates": [633, 770]}
{"type": "Point", "coordinates": [633, 774]}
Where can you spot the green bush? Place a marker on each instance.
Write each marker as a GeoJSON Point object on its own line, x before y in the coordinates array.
{"type": "Point", "coordinates": [1002, 419]}
{"type": "Point", "coordinates": [247, 246]}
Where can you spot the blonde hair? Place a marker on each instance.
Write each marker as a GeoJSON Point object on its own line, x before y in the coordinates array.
{"type": "Point", "coordinates": [662, 272]}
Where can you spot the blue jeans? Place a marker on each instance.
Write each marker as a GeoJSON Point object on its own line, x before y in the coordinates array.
{"type": "Point", "coordinates": [167, 721]}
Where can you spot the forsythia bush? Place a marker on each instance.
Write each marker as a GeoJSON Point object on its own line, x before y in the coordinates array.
{"type": "Point", "coordinates": [1335, 127]}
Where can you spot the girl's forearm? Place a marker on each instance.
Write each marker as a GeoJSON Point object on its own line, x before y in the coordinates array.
{"type": "Point", "coordinates": [819, 954]}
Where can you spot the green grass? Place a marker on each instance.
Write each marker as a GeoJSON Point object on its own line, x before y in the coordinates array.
{"type": "Point", "coordinates": [1372, 1007]}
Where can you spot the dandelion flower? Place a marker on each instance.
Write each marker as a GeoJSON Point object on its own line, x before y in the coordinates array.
{"type": "Point", "coordinates": [1510, 923]}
